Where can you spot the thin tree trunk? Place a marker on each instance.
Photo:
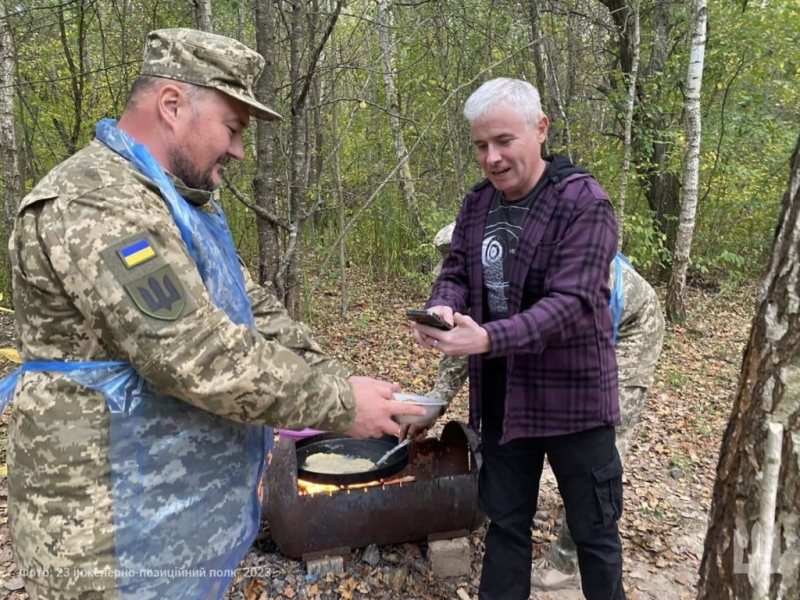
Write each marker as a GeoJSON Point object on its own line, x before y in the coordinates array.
{"type": "Point", "coordinates": [663, 188]}
{"type": "Point", "coordinates": [547, 83]}
{"type": "Point", "coordinates": [11, 182]}
{"type": "Point", "coordinates": [205, 21]}
{"type": "Point", "coordinates": [618, 10]}
{"type": "Point", "coordinates": [651, 156]}
{"type": "Point", "coordinates": [556, 101]}
{"type": "Point", "coordinates": [386, 41]}
{"type": "Point", "coordinates": [314, 135]}
{"type": "Point", "coordinates": [575, 49]}
{"type": "Point", "coordinates": [754, 524]}
{"type": "Point", "coordinates": [240, 21]}
{"type": "Point", "coordinates": [77, 71]}
{"type": "Point", "coordinates": [266, 176]}
{"type": "Point", "coordinates": [340, 207]}
{"type": "Point", "coordinates": [288, 277]}
{"type": "Point", "coordinates": [538, 61]}
{"type": "Point", "coordinates": [691, 165]}
{"type": "Point", "coordinates": [626, 154]}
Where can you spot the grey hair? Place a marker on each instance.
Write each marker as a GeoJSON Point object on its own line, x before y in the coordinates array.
{"type": "Point", "coordinates": [516, 93]}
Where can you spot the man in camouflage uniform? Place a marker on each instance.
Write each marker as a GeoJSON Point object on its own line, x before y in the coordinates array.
{"type": "Point", "coordinates": [101, 273]}
{"type": "Point", "coordinates": [638, 347]}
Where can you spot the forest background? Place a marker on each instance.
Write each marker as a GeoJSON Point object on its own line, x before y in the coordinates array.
{"type": "Point", "coordinates": [373, 155]}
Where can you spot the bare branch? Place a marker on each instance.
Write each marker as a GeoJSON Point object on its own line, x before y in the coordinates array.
{"type": "Point", "coordinates": [260, 211]}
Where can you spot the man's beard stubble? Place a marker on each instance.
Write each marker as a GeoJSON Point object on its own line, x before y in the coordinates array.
{"type": "Point", "coordinates": [187, 171]}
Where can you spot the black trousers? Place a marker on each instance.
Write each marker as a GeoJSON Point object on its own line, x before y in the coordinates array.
{"type": "Point", "coordinates": [589, 475]}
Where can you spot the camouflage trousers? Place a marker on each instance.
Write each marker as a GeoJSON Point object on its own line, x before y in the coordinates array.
{"type": "Point", "coordinates": [39, 592]}
{"type": "Point", "coordinates": [562, 553]}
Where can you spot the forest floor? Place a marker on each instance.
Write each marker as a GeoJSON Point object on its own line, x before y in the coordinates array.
{"type": "Point", "coordinates": [669, 470]}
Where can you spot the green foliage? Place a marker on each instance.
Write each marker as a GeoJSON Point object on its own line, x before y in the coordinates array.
{"type": "Point", "coordinates": [443, 51]}
{"type": "Point", "coordinates": [750, 105]}
{"type": "Point", "coordinates": [727, 266]}
{"type": "Point", "coordinates": [645, 246]}
{"type": "Point", "coordinates": [60, 103]}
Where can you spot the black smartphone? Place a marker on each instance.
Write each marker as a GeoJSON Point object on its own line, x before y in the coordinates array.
{"type": "Point", "coordinates": [427, 317]}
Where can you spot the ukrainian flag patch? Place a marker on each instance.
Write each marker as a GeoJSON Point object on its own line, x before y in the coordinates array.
{"type": "Point", "coordinates": [136, 253]}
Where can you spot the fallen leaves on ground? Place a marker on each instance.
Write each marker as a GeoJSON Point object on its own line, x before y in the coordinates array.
{"type": "Point", "coordinates": [669, 470]}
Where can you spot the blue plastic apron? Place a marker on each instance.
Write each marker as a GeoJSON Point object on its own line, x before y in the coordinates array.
{"type": "Point", "coordinates": [184, 481]}
{"type": "Point", "coordinates": [617, 300]}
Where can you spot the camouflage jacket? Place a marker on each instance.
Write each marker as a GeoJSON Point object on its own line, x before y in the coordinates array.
{"type": "Point", "coordinates": [641, 330]}
{"type": "Point", "coordinates": [75, 299]}
{"type": "Point", "coordinates": [638, 345]}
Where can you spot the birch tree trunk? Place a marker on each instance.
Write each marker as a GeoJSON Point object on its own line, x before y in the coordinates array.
{"type": "Point", "coordinates": [691, 165]}
{"type": "Point", "coordinates": [10, 174]}
{"type": "Point", "coordinates": [202, 9]}
{"type": "Point", "coordinates": [12, 186]}
{"type": "Point", "coordinates": [385, 18]}
{"type": "Point", "coordinates": [626, 155]}
{"type": "Point", "coordinates": [751, 549]}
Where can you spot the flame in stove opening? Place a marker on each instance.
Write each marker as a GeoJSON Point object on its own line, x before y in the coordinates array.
{"type": "Point", "coordinates": [310, 488]}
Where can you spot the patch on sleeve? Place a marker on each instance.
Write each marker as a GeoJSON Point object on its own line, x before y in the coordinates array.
{"type": "Point", "coordinates": [158, 294]}
{"type": "Point", "coordinates": [137, 252]}
{"type": "Point", "coordinates": [140, 267]}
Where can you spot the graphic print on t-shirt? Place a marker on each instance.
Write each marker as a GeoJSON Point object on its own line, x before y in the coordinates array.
{"type": "Point", "coordinates": [500, 240]}
{"type": "Point", "coordinates": [494, 253]}
{"type": "Point", "coordinates": [504, 224]}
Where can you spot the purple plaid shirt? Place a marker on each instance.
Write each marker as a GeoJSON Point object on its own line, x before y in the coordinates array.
{"type": "Point", "coordinates": [562, 372]}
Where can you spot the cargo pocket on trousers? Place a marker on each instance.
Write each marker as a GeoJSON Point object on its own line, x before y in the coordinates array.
{"type": "Point", "coordinates": [608, 490]}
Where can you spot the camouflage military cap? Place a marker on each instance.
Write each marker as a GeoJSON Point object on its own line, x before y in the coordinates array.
{"type": "Point", "coordinates": [208, 60]}
{"type": "Point", "coordinates": [442, 243]}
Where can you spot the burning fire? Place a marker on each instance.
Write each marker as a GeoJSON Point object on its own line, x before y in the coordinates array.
{"type": "Point", "coordinates": [310, 488]}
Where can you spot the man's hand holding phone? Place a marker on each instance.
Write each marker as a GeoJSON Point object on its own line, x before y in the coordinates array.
{"type": "Point", "coordinates": [463, 338]}
{"type": "Point", "coordinates": [428, 317]}
{"type": "Point", "coordinates": [426, 322]}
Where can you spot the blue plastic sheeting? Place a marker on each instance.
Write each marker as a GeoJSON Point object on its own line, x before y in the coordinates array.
{"type": "Point", "coordinates": [617, 300]}
{"type": "Point", "coordinates": [184, 481]}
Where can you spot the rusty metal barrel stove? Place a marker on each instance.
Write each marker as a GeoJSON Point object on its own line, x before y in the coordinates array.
{"type": "Point", "coordinates": [434, 496]}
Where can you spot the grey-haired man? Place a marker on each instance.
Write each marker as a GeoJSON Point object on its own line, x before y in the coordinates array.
{"type": "Point", "coordinates": [638, 344]}
{"type": "Point", "coordinates": [152, 361]}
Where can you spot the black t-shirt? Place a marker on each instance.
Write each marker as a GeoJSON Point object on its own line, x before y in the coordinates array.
{"type": "Point", "coordinates": [504, 225]}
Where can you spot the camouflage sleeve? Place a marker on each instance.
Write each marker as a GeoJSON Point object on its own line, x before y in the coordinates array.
{"type": "Point", "coordinates": [641, 332]}
{"type": "Point", "coordinates": [274, 323]}
{"type": "Point", "coordinates": [121, 260]}
{"type": "Point", "coordinates": [450, 377]}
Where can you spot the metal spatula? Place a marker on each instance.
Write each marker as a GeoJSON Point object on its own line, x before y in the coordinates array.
{"type": "Point", "coordinates": [386, 456]}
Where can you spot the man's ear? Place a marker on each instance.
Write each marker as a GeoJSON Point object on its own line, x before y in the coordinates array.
{"type": "Point", "coordinates": [541, 128]}
{"type": "Point", "coordinates": [171, 104]}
